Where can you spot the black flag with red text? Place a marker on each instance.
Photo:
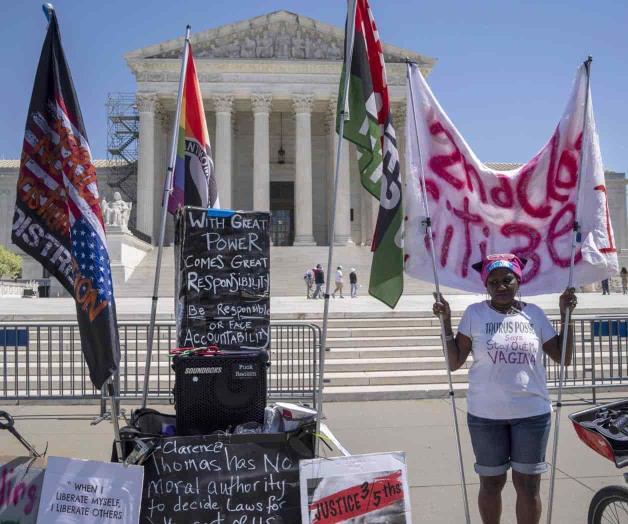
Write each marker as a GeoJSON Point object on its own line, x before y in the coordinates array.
{"type": "Point", "coordinates": [58, 219]}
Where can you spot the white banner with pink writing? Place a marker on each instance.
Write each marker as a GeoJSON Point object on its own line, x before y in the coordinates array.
{"type": "Point", "coordinates": [528, 211]}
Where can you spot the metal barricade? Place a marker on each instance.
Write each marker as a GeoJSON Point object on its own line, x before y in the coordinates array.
{"type": "Point", "coordinates": [600, 357]}
{"type": "Point", "coordinates": [44, 361]}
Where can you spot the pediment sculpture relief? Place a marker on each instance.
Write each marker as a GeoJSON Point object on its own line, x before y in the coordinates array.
{"type": "Point", "coordinates": [280, 41]}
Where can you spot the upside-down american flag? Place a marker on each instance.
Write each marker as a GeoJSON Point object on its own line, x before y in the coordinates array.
{"type": "Point", "coordinates": [58, 219]}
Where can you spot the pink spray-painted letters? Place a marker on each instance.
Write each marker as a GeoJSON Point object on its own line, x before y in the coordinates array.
{"type": "Point", "coordinates": [529, 211]}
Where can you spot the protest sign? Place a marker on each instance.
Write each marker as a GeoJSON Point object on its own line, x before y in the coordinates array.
{"type": "Point", "coordinates": [20, 489]}
{"type": "Point", "coordinates": [90, 492]}
{"type": "Point", "coordinates": [216, 479]}
{"type": "Point", "coordinates": [223, 279]}
{"type": "Point", "coordinates": [358, 488]}
{"type": "Point", "coordinates": [528, 211]}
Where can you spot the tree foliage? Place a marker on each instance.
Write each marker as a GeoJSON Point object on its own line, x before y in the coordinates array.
{"type": "Point", "coordinates": [10, 263]}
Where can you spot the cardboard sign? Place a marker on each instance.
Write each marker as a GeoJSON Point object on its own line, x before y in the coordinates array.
{"type": "Point", "coordinates": [359, 488]}
{"type": "Point", "coordinates": [90, 492]}
{"type": "Point", "coordinates": [20, 488]}
{"type": "Point", "coordinates": [223, 279]}
{"type": "Point", "coordinates": [237, 479]}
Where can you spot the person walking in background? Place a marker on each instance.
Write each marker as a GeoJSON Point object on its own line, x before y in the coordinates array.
{"type": "Point", "coordinates": [319, 280]}
{"type": "Point", "coordinates": [309, 282]}
{"type": "Point", "coordinates": [339, 283]}
{"type": "Point", "coordinates": [605, 288]}
{"type": "Point", "coordinates": [353, 281]}
{"type": "Point", "coordinates": [624, 280]}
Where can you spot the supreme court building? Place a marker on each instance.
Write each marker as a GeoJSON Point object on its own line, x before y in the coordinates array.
{"type": "Point", "coordinates": [270, 88]}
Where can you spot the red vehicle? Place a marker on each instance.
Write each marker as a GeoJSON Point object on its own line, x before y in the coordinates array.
{"type": "Point", "coordinates": [605, 430]}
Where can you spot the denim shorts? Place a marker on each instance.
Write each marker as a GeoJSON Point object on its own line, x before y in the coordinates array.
{"type": "Point", "coordinates": [518, 442]}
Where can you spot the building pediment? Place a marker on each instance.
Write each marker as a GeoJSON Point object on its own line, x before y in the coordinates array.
{"type": "Point", "coordinates": [280, 35]}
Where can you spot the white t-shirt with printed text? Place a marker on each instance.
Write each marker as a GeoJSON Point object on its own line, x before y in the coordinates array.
{"type": "Point", "coordinates": [507, 377]}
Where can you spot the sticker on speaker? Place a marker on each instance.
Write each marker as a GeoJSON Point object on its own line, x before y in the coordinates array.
{"type": "Point", "coordinates": [245, 371]}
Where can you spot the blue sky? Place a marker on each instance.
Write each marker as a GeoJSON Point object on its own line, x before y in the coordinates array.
{"type": "Point", "coordinates": [504, 69]}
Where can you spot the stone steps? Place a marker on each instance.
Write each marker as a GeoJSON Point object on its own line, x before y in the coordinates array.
{"type": "Point", "coordinates": [371, 355]}
{"type": "Point", "coordinates": [287, 267]}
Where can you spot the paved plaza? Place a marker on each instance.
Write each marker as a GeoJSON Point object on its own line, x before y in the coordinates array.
{"type": "Point", "coordinates": [18, 309]}
{"type": "Point", "coordinates": [421, 428]}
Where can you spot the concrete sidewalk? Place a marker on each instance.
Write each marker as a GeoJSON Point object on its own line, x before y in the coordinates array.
{"type": "Point", "coordinates": [21, 309]}
{"type": "Point", "coordinates": [421, 428]}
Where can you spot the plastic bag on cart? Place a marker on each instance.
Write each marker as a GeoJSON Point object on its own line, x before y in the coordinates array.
{"type": "Point", "coordinates": [145, 424]}
{"type": "Point", "coordinates": [612, 423]}
{"type": "Point", "coordinates": [149, 424]}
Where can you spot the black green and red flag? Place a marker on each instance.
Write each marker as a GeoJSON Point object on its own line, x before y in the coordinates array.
{"type": "Point", "coordinates": [58, 219]}
{"type": "Point", "coordinates": [370, 127]}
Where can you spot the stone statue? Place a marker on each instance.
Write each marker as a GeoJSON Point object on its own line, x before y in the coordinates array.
{"type": "Point", "coordinates": [232, 50]}
{"type": "Point", "coordinates": [282, 44]}
{"type": "Point", "coordinates": [248, 47]}
{"type": "Point", "coordinates": [298, 45]}
{"type": "Point", "coordinates": [215, 51]}
{"type": "Point", "coordinates": [116, 213]}
{"type": "Point", "coordinates": [106, 212]}
{"type": "Point", "coordinates": [265, 45]}
{"type": "Point", "coordinates": [334, 52]}
{"type": "Point", "coordinates": [317, 48]}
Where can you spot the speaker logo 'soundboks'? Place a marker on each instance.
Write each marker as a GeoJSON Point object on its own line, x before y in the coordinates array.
{"type": "Point", "coordinates": [203, 371]}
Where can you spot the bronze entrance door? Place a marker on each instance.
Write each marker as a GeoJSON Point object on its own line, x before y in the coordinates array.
{"type": "Point", "coordinates": [282, 213]}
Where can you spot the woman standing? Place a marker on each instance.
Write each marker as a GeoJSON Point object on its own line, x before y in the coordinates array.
{"type": "Point", "coordinates": [624, 280]}
{"type": "Point", "coordinates": [509, 410]}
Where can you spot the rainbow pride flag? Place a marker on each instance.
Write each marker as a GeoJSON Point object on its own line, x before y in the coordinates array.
{"type": "Point", "coordinates": [194, 181]}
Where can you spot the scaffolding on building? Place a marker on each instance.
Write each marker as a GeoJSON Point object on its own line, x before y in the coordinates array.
{"type": "Point", "coordinates": [123, 123]}
{"type": "Point", "coordinates": [122, 127]}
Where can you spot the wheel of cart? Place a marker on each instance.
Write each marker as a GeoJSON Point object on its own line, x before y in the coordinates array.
{"type": "Point", "coordinates": [605, 430]}
{"type": "Point", "coordinates": [609, 506]}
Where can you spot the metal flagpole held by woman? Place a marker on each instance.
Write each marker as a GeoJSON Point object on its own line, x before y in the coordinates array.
{"type": "Point", "coordinates": [428, 230]}
{"type": "Point", "coordinates": [164, 214]}
{"type": "Point", "coordinates": [344, 115]}
{"type": "Point", "coordinates": [574, 242]}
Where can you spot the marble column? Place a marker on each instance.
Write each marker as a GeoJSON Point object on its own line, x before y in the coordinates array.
{"type": "Point", "coordinates": [366, 218]}
{"type": "Point", "coordinates": [302, 105]}
{"type": "Point", "coordinates": [6, 216]}
{"type": "Point", "coordinates": [342, 230]}
{"type": "Point", "coordinates": [399, 123]}
{"type": "Point", "coordinates": [163, 132]}
{"type": "Point", "coordinates": [146, 165]}
{"type": "Point", "coordinates": [261, 151]}
{"type": "Point", "coordinates": [223, 105]}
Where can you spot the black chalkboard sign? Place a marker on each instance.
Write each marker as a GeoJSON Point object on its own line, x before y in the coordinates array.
{"type": "Point", "coordinates": [223, 279]}
{"type": "Point", "coordinates": [215, 479]}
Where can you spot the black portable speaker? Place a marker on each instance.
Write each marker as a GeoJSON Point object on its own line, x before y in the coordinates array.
{"type": "Point", "coordinates": [215, 392]}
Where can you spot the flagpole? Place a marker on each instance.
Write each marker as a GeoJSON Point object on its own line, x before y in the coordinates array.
{"type": "Point", "coordinates": [164, 213]}
{"type": "Point", "coordinates": [574, 241]}
{"type": "Point", "coordinates": [428, 228]}
{"type": "Point", "coordinates": [344, 115]}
